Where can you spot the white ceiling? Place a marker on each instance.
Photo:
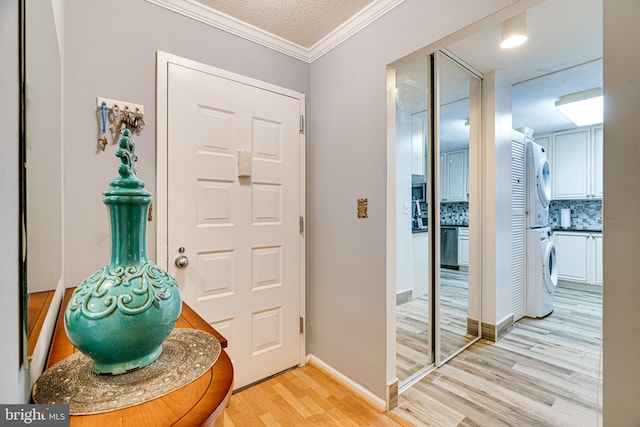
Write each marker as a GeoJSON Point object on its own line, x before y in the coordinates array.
{"type": "Point", "coordinates": [303, 22]}
{"type": "Point", "coordinates": [563, 54]}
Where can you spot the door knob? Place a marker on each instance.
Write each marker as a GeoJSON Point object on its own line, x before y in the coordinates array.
{"type": "Point", "coordinates": [182, 261]}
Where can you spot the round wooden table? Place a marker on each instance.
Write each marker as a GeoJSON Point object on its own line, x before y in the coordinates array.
{"type": "Point", "coordinates": [201, 402]}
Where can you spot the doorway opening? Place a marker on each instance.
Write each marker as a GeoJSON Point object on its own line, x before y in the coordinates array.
{"type": "Point", "coordinates": [523, 82]}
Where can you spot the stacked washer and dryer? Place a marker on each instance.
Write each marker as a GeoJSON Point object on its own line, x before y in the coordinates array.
{"type": "Point", "coordinates": [542, 275]}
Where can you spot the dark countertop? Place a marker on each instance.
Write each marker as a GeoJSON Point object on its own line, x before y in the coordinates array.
{"type": "Point", "coordinates": [578, 230]}
{"type": "Point", "coordinates": [454, 225]}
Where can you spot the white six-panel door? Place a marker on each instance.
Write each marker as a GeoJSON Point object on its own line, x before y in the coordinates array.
{"type": "Point", "coordinates": [233, 197]}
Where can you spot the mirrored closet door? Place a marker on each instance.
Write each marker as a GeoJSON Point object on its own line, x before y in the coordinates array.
{"type": "Point", "coordinates": [437, 115]}
{"type": "Point", "coordinates": [457, 132]}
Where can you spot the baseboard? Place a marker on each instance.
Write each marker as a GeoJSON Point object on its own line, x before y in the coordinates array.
{"type": "Point", "coordinates": [472, 326]}
{"type": "Point", "coordinates": [495, 332]}
{"type": "Point", "coordinates": [392, 395]}
{"type": "Point", "coordinates": [580, 286]}
{"type": "Point", "coordinates": [404, 297]}
{"type": "Point", "coordinates": [41, 352]}
{"type": "Point", "coordinates": [351, 384]}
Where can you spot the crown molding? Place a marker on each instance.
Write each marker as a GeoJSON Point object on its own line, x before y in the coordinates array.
{"type": "Point", "coordinates": [195, 10]}
{"type": "Point", "coordinates": [353, 25]}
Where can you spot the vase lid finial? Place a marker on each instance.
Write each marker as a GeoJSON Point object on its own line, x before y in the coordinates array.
{"type": "Point", "coordinates": [127, 171]}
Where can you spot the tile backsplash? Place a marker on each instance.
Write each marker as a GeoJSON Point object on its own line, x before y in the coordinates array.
{"type": "Point", "coordinates": [585, 214]}
{"type": "Point", "coordinates": [454, 213]}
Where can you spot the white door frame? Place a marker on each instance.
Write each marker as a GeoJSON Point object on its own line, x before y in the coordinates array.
{"type": "Point", "coordinates": [162, 162]}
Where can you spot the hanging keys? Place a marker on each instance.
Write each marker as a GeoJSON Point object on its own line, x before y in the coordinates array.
{"type": "Point", "coordinates": [118, 118]}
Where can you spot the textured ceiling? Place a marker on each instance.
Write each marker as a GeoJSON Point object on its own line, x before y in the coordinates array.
{"type": "Point", "coordinates": [303, 22]}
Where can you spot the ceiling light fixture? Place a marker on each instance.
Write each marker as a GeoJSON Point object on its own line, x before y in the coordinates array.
{"type": "Point", "coordinates": [583, 108]}
{"type": "Point", "coordinates": [514, 31]}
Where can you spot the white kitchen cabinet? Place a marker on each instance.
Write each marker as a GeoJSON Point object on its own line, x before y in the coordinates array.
{"type": "Point", "coordinates": [420, 264]}
{"type": "Point", "coordinates": [419, 125]}
{"type": "Point", "coordinates": [463, 246]}
{"type": "Point", "coordinates": [596, 161]}
{"type": "Point", "coordinates": [597, 240]}
{"type": "Point", "coordinates": [576, 164]}
{"type": "Point", "coordinates": [579, 256]}
{"type": "Point", "coordinates": [454, 176]}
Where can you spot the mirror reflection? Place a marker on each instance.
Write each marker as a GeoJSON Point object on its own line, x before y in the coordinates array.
{"type": "Point", "coordinates": [414, 288]}
{"type": "Point", "coordinates": [437, 301]}
{"type": "Point", "coordinates": [43, 65]}
{"type": "Point", "coordinates": [459, 90]}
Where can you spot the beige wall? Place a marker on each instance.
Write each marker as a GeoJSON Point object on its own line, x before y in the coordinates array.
{"type": "Point", "coordinates": [348, 298]}
{"type": "Point", "coordinates": [621, 212]}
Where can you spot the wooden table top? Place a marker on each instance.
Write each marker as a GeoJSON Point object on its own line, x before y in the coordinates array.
{"type": "Point", "coordinates": [198, 403]}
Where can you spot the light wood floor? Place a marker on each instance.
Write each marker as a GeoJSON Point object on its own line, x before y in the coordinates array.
{"type": "Point", "coordinates": [304, 396]}
{"type": "Point", "coordinates": [412, 325]}
{"type": "Point", "coordinates": [543, 373]}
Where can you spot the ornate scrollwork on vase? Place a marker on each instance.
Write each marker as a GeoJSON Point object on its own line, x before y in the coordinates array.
{"type": "Point", "coordinates": [131, 290]}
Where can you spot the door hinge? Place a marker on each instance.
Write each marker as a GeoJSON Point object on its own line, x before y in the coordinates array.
{"type": "Point", "coordinates": [301, 224]}
{"type": "Point", "coordinates": [301, 325]}
{"type": "Point", "coordinates": [301, 123]}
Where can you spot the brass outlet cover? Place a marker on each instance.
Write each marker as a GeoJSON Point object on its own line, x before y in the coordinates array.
{"type": "Point", "coordinates": [362, 208]}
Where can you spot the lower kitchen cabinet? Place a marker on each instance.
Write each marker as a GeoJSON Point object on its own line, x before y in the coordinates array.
{"type": "Point", "coordinates": [463, 246]}
{"type": "Point", "coordinates": [579, 256]}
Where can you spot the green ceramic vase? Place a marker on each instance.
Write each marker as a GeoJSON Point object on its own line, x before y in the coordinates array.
{"type": "Point", "coordinates": [120, 315]}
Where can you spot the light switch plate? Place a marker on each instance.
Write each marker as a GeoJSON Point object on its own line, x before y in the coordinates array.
{"type": "Point", "coordinates": [244, 164]}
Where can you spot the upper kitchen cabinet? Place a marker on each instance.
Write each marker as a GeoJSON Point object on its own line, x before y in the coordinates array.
{"type": "Point", "coordinates": [454, 170]}
{"type": "Point", "coordinates": [596, 161]}
{"type": "Point", "coordinates": [576, 164]}
{"type": "Point", "coordinates": [419, 123]}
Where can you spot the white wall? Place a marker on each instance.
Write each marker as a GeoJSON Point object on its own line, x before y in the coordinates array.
{"type": "Point", "coordinates": [621, 209]}
{"type": "Point", "coordinates": [496, 166]}
{"type": "Point", "coordinates": [110, 51]}
{"type": "Point", "coordinates": [347, 160]}
{"type": "Point", "coordinates": [13, 386]}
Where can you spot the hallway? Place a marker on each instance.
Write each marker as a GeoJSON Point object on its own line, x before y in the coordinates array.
{"type": "Point", "coordinates": [543, 373]}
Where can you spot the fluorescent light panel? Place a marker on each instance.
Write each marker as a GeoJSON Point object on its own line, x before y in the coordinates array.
{"type": "Point", "coordinates": [583, 108]}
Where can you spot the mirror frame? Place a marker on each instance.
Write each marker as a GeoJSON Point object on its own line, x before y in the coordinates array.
{"type": "Point", "coordinates": [22, 243]}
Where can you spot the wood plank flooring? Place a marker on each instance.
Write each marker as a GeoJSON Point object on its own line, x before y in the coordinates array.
{"type": "Point", "coordinates": [543, 373]}
{"type": "Point", "coordinates": [304, 396]}
{"type": "Point", "coordinates": [412, 324]}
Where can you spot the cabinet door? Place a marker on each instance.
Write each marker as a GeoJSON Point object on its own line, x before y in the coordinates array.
{"type": "Point", "coordinates": [420, 264]}
{"type": "Point", "coordinates": [443, 178]}
{"type": "Point", "coordinates": [597, 259]}
{"type": "Point", "coordinates": [572, 251]}
{"type": "Point", "coordinates": [463, 247]}
{"type": "Point", "coordinates": [418, 142]}
{"type": "Point", "coordinates": [456, 176]}
{"type": "Point", "coordinates": [596, 161]}
{"type": "Point", "coordinates": [570, 165]}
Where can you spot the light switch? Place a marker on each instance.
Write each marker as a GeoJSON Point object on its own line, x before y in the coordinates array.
{"type": "Point", "coordinates": [362, 208]}
{"type": "Point", "coordinates": [407, 208]}
{"type": "Point", "coordinates": [244, 164]}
